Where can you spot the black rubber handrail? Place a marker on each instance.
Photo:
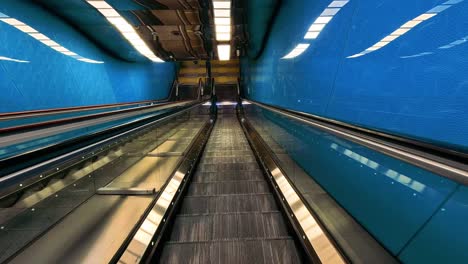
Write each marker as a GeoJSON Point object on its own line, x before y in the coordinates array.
{"type": "Point", "coordinates": [36, 162]}
{"type": "Point", "coordinates": [39, 154]}
{"type": "Point", "coordinates": [68, 120]}
{"type": "Point", "coordinates": [446, 162]}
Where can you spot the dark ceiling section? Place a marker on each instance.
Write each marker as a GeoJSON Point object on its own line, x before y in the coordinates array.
{"type": "Point", "coordinates": [258, 18]}
{"type": "Point", "coordinates": [181, 28]}
{"type": "Point", "coordinates": [173, 29]}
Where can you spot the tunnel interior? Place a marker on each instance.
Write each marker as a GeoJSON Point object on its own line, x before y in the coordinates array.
{"type": "Point", "coordinates": [233, 131]}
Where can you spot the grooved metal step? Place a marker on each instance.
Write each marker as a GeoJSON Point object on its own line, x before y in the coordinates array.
{"type": "Point", "coordinates": [237, 203]}
{"type": "Point", "coordinates": [275, 251]}
{"type": "Point", "coordinates": [213, 227]}
{"type": "Point", "coordinates": [228, 176]}
{"type": "Point", "coordinates": [229, 214]}
{"type": "Point", "coordinates": [232, 187]}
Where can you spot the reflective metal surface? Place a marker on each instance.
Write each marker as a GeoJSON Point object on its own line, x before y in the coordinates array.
{"type": "Point", "coordinates": [313, 234]}
{"type": "Point", "coordinates": [391, 199]}
{"type": "Point", "coordinates": [67, 198]}
{"type": "Point", "coordinates": [145, 238]}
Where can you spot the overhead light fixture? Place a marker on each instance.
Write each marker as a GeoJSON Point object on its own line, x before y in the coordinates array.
{"type": "Point", "coordinates": [223, 36]}
{"type": "Point", "coordinates": [222, 12]}
{"type": "Point", "coordinates": [298, 50]}
{"type": "Point", "coordinates": [222, 21]}
{"type": "Point", "coordinates": [223, 29]}
{"type": "Point", "coordinates": [127, 30]}
{"type": "Point", "coordinates": [42, 38]}
{"type": "Point", "coordinates": [224, 52]}
{"type": "Point", "coordinates": [325, 17]}
{"type": "Point", "coordinates": [222, 4]}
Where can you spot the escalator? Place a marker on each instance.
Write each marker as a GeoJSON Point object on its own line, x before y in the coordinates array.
{"type": "Point", "coordinates": [229, 214]}
{"type": "Point", "coordinates": [192, 188]}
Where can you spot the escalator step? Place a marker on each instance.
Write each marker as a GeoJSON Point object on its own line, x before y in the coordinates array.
{"type": "Point", "coordinates": [228, 176]}
{"type": "Point", "coordinates": [233, 159]}
{"type": "Point", "coordinates": [233, 187]}
{"type": "Point", "coordinates": [199, 228]}
{"type": "Point", "coordinates": [228, 204]}
{"type": "Point", "coordinates": [227, 167]}
{"type": "Point", "coordinates": [245, 251]}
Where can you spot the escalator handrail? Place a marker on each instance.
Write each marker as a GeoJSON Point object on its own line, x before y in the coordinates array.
{"type": "Point", "coordinates": [78, 152]}
{"type": "Point", "coordinates": [68, 120]}
{"type": "Point", "coordinates": [445, 162]}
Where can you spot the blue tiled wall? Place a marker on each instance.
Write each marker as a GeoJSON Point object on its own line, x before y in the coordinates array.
{"type": "Point", "coordinates": [415, 86]}
{"type": "Point", "coordinates": [35, 76]}
{"type": "Point", "coordinates": [417, 215]}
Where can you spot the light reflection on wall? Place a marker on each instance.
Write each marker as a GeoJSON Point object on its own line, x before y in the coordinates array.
{"type": "Point", "coordinates": [394, 175]}
{"type": "Point", "coordinates": [298, 50]}
{"type": "Point", "coordinates": [455, 43]}
{"type": "Point", "coordinates": [448, 46]}
{"type": "Point", "coordinates": [406, 27]}
{"type": "Point", "coordinates": [317, 26]}
{"type": "Point", "coordinates": [43, 39]}
{"type": "Point", "coordinates": [3, 58]}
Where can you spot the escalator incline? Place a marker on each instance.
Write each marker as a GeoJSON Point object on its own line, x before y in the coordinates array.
{"type": "Point", "coordinates": [229, 214]}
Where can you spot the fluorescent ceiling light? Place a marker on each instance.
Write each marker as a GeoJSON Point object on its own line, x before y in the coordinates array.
{"type": "Point", "coordinates": [222, 12]}
{"type": "Point", "coordinates": [223, 29]}
{"type": "Point", "coordinates": [69, 53]}
{"type": "Point", "coordinates": [109, 12]}
{"type": "Point", "coordinates": [222, 21]}
{"type": "Point", "coordinates": [400, 31]}
{"type": "Point", "coordinates": [298, 50]}
{"type": "Point", "coordinates": [373, 48]}
{"type": "Point", "coordinates": [424, 16]}
{"type": "Point", "coordinates": [26, 29]}
{"type": "Point", "coordinates": [12, 21]}
{"type": "Point", "coordinates": [60, 48]}
{"type": "Point", "coordinates": [223, 36]}
{"type": "Point", "coordinates": [50, 43]}
{"type": "Point", "coordinates": [389, 38]}
{"type": "Point", "coordinates": [338, 3]}
{"type": "Point", "coordinates": [316, 27]}
{"type": "Point", "coordinates": [117, 21]}
{"type": "Point", "coordinates": [222, 4]}
{"type": "Point", "coordinates": [411, 23]}
{"type": "Point", "coordinates": [127, 30]}
{"type": "Point", "coordinates": [312, 35]}
{"type": "Point", "coordinates": [224, 52]}
{"type": "Point", "coordinates": [381, 44]}
{"type": "Point", "coordinates": [39, 36]}
{"type": "Point", "coordinates": [323, 20]}
{"type": "Point", "coordinates": [330, 11]}
{"type": "Point", "coordinates": [99, 4]}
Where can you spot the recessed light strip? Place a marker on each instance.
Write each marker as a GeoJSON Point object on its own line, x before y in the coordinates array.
{"type": "Point", "coordinates": [325, 17]}
{"type": "Point", "coordinates": [298, 50]}
{"type": "Point", "coordinates": [403, 29]}
{"type": "Point", "coordinates": [43, 38]}
{"type": "Point", "coordinates": [222, 21]}
{"type": "Point", "coordinates": [127, 30]}
{"type": "Point", "coordinates": [224, 52]}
